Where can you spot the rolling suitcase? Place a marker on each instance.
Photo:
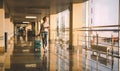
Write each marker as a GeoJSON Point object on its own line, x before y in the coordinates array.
{"type": "Point", "coordinates": [37, 44]}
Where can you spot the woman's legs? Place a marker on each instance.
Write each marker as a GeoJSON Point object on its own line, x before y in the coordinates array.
{"type": "Point", "coordinates": [44, 39]}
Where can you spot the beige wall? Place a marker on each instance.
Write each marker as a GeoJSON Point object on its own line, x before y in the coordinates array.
{"type": "Point", "coordinates": [52, 38]}
{"type": "Point", "coordinates": [2, 16]}
{"type": "Point", "coordinates": [9, 28]}
{"type": "Point", "coordinates": [77, 22]}
{"type": "Point", "coordinates": [36, 27]}
{"type": "Point", "coordinates": [52, 26]}
{"type": "Point", "coordinates": [52, 20]}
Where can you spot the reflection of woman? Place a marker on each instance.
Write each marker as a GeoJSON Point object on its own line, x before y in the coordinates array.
{"type": "Point", "coordinates": [44, 62]}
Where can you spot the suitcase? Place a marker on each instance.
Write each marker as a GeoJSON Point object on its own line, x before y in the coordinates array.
{"type": "Point", "coordinates": [37, 44]}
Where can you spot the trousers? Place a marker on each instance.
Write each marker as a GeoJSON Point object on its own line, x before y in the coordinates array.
{"type": "Point", "coordinates": [44, 38]}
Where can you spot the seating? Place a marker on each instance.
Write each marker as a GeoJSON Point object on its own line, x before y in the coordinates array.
{"type": "Point", "coordinates": [99, 48]}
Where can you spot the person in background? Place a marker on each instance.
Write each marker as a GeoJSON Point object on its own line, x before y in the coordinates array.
{"type": "Point", "coordinates": [24, 33]}
{"type": "Point", "coordinates": [44, 32]}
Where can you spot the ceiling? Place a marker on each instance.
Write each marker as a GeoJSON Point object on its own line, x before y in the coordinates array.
{"type": "Point", "coordinates": [18, 9]}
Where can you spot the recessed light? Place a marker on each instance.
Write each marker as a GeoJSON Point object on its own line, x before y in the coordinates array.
{"type": "Point", "coordinates": [26, 22]}
{"type": "Point", "coordinates": [31, 17]}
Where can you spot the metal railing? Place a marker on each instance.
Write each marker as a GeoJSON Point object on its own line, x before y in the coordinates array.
{"type": "Point", "coordinates": [92, 43]}
{"type": "Point", "coordinates": [98, 40]}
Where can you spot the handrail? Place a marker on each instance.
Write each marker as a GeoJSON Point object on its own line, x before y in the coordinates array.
{"type": "Point", "coordinates": [102, 26]}
{"type": "Point", "coordinates": [10, 33]}
{"type": "Point", "coordinates": [1, 34]}
{"type": "Point", "coordinates": [94, 36]}
{"type": "Point", "coordinates": [100, 30]}
{"type": "Point", "coordinates": [100, 43]}
{"type": "Point", "coordinates": [1, 37]}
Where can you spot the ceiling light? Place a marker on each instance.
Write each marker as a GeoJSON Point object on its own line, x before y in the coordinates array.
{"type": "Point", "coordinates": [26, 22]}
{"type": "Point", "coordinates": [31, 17]}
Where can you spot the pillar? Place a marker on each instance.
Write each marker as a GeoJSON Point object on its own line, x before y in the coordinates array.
{"type": "Point", "coordinates": [52, 36]}
{"type": "Point", "coordinates": [10, 33]}
{"type": "Point", "coordinates": [2, 16]}
{"type": "Point", "coordinates": [9, 28]}
{"type": "Point", "coordinates": [77, 21]}
{"type": "Point", "coordinates": [37, 26]}
{"type": "Point", "coordinates": [119, 36]}
{"type": "Point", "coordinates": [76, 26]}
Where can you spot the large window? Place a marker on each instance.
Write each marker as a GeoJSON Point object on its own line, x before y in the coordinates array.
{"type": "Point", "coordinates": [63, 40]}
{"type": "Point", "coordinates": [100, 40]}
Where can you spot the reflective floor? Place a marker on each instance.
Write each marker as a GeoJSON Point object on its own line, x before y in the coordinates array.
{"type": "Point", "coordinates": [22, 56]}
{"type": "Point", "coordinates": [25, 58]}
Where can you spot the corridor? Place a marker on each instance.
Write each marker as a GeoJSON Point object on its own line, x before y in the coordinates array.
{"type": "Point", "coordinates": [21, 56]}
{"type": "Point", "coordinates": [59, 35]}
{"type": "Point", "coordinates": [24, 58]}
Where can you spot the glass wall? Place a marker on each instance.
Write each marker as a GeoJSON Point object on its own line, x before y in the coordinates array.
{"type": "Point", "coordinates": [62, 40]}
{"type": "Point", "coordinates": [100, 40]}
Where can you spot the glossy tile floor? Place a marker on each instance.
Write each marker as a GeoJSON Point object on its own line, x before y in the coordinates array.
{"type": "Point", "coordinates": [24, 58]}
{"type": "Point", "coordinates": [21, 56]}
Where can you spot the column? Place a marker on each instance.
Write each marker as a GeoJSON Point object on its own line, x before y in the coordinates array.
{"type": "Point", "coordinates": [37, 26]}
{"type": "Point", "coordinates": [119, 36]}
{"type": "Point", "coordinates": [77, 25]}
{"type": "Point", "coordinates": [77, 21]}
{"type": "Point", "coordinates": [2, 16]}
{"type": "Point", "coordinates": [9, 28]}
{"type": "Point", "coordinates": [52, 36]}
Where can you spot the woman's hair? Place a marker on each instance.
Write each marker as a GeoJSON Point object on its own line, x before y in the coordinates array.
{"type": "Point", "coordinates": [44, 18]}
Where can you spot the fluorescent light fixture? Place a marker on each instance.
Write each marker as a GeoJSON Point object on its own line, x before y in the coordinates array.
{"type": "Point", "coordinates": [32, 17]}
{"type": "Point", "coordinates": [26, 22]}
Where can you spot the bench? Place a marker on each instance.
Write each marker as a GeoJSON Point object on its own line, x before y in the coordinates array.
{"type": "Point", "coordinates": [101, 49]}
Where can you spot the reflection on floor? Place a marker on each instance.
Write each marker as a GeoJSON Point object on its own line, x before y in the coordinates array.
{"type": "Point", "coordinates": [22, 57]}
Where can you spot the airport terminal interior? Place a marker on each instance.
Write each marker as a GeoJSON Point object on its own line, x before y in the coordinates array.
{"type": "Point", "coordinates": [83, 35]}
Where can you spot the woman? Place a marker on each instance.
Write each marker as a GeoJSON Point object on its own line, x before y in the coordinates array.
{"type": "Point", "coordinates": [44, 32]}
